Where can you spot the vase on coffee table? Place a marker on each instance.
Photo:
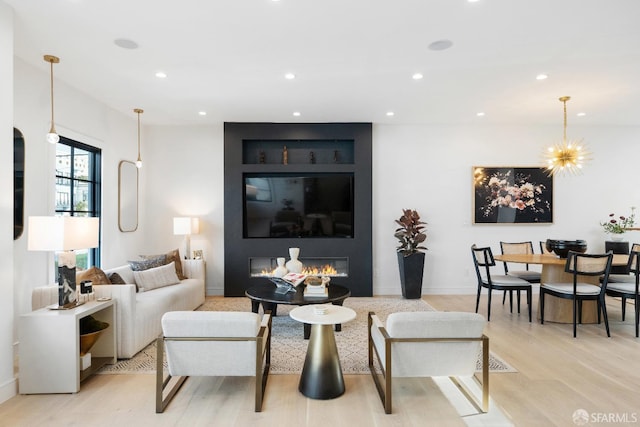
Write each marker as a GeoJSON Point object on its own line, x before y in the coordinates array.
{"type": "Point", "coordinates": [294, 265]}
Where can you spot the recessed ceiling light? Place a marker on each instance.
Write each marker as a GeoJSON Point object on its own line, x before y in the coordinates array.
{"type": "Point", "coordinates": [390, 113]}
{"type": "Point", "coordinates": [126, 43]}
{"type": "Point", "coordinates": [542, 77]}
{"type": "Point", "coordinates": [581, 114]}
{"type": "Point", "coordinates": [289, 76]}
{"type": "Point", "coordinates": [473, 1]}
{"type": "Point", "coordinates": [441, 44]}
{"type": "Point", "coordinates": [296, 113]}
{"type": "Point", "coordinates": [161, 75]}
{"type": "Point", "coordinates": [202, 113]}
{"type": "Point", "coordinates": [480, 114]}
{"type": "Point", "coordinates": [417, 76]}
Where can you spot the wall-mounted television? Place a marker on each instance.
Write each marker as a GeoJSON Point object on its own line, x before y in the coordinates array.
{"type": "Point", "coordinates": [313, 205]}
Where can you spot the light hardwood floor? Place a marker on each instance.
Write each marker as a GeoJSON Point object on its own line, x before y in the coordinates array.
{"type": "Point", "coordinates": [557, 375]}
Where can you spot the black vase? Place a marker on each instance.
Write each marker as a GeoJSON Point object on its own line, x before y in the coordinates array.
{"type": "Point", "coordinates": [411, 272]}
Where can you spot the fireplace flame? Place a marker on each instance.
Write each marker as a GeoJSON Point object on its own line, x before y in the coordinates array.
{"type": "Point", "coordinates": [325, 270]}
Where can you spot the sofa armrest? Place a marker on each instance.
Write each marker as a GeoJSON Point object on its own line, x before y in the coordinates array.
{"type": "Point", "coordinates": [125, 298]}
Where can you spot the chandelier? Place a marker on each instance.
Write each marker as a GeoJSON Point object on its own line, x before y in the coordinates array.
{"type": "Point", "coordinates": [567, 156]}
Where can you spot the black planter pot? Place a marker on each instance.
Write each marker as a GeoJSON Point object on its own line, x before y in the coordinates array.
{"type": "Point", "coordinates": [411, 272]}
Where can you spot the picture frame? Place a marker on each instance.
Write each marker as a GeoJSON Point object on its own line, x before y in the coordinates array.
{"type": "Point", "coordinates": [512, 195]}
{"type": "Point", "coordinates": [197, 254]}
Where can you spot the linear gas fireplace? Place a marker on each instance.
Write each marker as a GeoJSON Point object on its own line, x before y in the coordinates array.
{"type": "Point", "coordinates": [331, 267]}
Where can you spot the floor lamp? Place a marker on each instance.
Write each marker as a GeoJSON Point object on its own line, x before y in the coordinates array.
{"type": "Point", "coordinates": [63, 234]}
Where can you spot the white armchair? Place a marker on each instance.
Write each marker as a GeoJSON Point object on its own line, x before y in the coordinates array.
{"type": "Point", "coordinates": [428, 344]}
{"type": "Point", "coordinates": [210, 343]}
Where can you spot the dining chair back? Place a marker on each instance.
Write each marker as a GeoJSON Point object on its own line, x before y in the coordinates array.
{"type": "Point", "coordinates": [579, 266]}
{"type": "Point", "coordinates": [628, 289]}
{"type": "Point", "coordinates": [483, 261]}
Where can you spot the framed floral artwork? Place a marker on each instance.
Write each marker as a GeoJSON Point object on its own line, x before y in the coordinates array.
{"type": "Point", "coordinates": [503, 195]}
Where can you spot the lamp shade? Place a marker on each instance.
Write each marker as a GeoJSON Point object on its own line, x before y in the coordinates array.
{"type": "Point", "coordinates": [62, 233]}
{"type": "Point", "coordinates": [186, 225]}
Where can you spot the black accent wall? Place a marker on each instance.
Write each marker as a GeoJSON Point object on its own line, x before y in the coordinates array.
{"type": "Point", "coordinates": [257, 148]}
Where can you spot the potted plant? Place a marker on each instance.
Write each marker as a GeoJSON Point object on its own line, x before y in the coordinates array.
{"type": "Point", "coordinates": [411, 235]}
{"type": "Point", "coordinates": [617, 227]}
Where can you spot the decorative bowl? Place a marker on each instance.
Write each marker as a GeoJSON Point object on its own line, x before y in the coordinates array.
{"type": "Point", "coordinates": [562, 247]}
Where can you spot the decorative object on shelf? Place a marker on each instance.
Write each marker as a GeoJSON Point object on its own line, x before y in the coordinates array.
{"type": "Point", "coordinates": [90, 331]}
{"type": "Point", "coordinates": [562, 247]}
{"type": "Point", "coordinates": [52, 136]}
{"type": "Point", "coordinates": [294, 265]}
{"type": "Point", "coordinates": [198, 254]}
{"type": "Point", "coordinates": [64, 234]}
{"type": "Point", "coordinates": [285, 156]}
{"type": "Point", "coordinates": [335, 156]}
{"type": "Point", "coordinates": [616, 227]}
{"type": "Point", "coordinates": [411, 236]}
{"type": "Point", "coordinates": [312, 158]}
{"type": "Point", "coordinates": [280, 270]}
{"type": "Point", "coordinates": [567, 156]}
{"type": "Point", "coordinates": [262, 157]}
{"type": "Point", "coordinates": [512, 195]}
{"type": "Point", "coordinates": [186, 226]}
{"type": "Point", "coordinates": [138, 111]}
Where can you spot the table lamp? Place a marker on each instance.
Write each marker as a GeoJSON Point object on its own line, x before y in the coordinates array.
{"type": "Point", "coordinates": [64, 234]}
{"type": "Point", "coordinates": [186, 226]}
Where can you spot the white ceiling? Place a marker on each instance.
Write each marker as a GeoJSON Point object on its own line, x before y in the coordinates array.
{"type": "Point", "coordinates": [353, 59]}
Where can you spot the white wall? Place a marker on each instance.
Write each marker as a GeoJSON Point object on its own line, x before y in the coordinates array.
{"type": "Point", "coordinates": [183, 174]}
{"type": "Point", "coordinates": [427, 168]}
{"type": "Point", "coordinates": [7, 381]}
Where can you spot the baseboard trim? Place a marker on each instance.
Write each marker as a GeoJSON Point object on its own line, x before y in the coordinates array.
{"type": "Point", "coordinates": [8, 390]}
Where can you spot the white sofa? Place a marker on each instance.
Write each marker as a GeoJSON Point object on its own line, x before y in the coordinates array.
{"type": "Point", "coordinates": [138, 314]}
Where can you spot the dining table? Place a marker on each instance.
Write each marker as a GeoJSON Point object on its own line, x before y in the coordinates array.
{"type": "Point", "coordinates": [560, 310]}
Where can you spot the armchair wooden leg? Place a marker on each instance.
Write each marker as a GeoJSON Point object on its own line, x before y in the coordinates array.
{"type": "Point", "coordinates": [161, 382]}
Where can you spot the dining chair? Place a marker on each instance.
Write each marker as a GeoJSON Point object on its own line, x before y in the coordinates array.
{"type": "Point", "coordinates": [580, 265]}
{"type": "Point", "coordinates": [628, 288]}
{"type": "Point", "coordinates": [543, 248]}
{"type": "Point", "coordinates": [483, 261]}
{"type": "Point", "coordinates": [531, 276]}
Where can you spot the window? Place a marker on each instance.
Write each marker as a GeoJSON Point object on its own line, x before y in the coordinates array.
{"type": "Point", "coordinates": [78, 188]}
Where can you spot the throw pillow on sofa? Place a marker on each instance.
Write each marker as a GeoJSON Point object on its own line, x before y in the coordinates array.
{"type": "Point", "coordinates": [148, 263]}
{"type": "Point", "coordinates": [97, 276]}
{"type": "Point", "coordinates": [156, 277]}
{"type": "Point", "coordinates": [174, 256]}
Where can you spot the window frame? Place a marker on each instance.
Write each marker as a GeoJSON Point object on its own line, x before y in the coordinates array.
{"type": "Point", "coordinates": [94, 183]}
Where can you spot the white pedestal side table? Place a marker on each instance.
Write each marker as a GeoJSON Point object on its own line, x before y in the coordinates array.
{"type": "Point", "coordinates": [321, 376]}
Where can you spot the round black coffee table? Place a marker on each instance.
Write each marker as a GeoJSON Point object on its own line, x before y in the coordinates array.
{"type": "Point", "coordinates": [266, 295]}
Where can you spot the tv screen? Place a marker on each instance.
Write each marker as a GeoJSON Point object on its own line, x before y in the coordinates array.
{"type": "Point", "coordinates": [300, 205]}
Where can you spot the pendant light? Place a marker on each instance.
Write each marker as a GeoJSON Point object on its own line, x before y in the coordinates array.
{"type": "Point", "coordinates": [138, 111]}
{"type": "Point", "coordinates": [52, 136]}
{"type": "Point", "coordinates": [567, 156]}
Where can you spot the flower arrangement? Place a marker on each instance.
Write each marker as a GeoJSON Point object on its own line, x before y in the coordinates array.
{"type": "Point", "coordinates": [617, 226]}
{"type": "Point", "coordinates": [503, 189]}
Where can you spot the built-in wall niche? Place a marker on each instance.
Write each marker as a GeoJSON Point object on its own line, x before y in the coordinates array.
{"type": "Point", "coordinates": [320, 204]}
{"type": "Point", "coordinates": [297, 151]}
